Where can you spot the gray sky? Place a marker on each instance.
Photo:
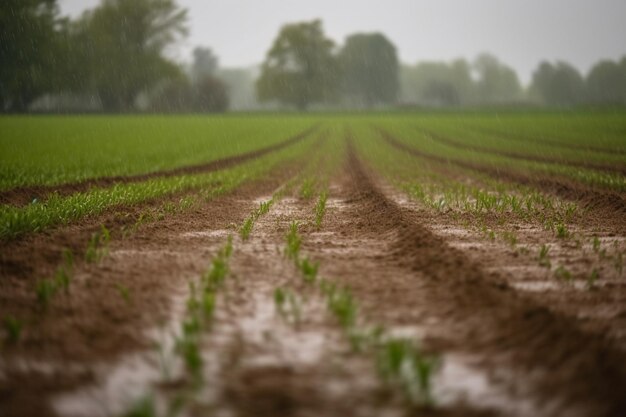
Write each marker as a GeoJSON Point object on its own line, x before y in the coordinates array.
{"type": "Point", "coordinates": [519, 32]}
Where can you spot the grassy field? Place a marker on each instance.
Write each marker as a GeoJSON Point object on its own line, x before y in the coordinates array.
{"type": "Point", "coordinates": [242, 262]}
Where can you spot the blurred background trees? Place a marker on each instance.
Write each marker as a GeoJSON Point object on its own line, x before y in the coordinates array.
{"type": "Point", "coordinates": [117, 57]}
{"type": "Point", "coordinates": [300, 68]}
{"type": "Point", "coordinates": [369, 70]}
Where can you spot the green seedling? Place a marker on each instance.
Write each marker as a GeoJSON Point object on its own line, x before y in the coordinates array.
{"type": "Point", "coordinates": [510, 237]}
{"type": "Point", "coordinates": [294, 241]}
{"type": "Point", "coordinates": [344, 307]}
{"type": "Point", "coordinates": [190, 351]}
{"type": "Point", "coordinates": [45, 290]}
{"type": "Point", "coordinates": [214, 279]}
{"type": "Point", "coordinates": [593, 277]}
{"type": "Point", "coordinates": [68, 259]}
{"type": "Point", "coordinates": [306, 191]}
{"type": "Point", "coordinates": [246, 228]}
{"type": "Point", "coordinates": [287, 304]}
{"type": "Point", "coordinates": [399, 361]}
{"type": "Point", "coordinates": [143, 408]}
{"type": "Point", "coordinates": [544, 259]}
{"type": "Point", "coordinates": [98, 245]}
{"type": "Point", "coordinates": [279, 299]}
{"type": "Point", "coordinates": [62, 279]}
{"type": "Point", "coordinates": [124, 291]}
{"type": "Point", "coordinates": [361, 340]}
{"type": "Point", "coordinates": [320, 209]}
{"type": "Point", "coordinates": [208, 305]}
{"type": "Point", "coordinates": [13, 328]}
{"type": "Point", "coordinates": [563, 274]}
{"type": "Point", "coordinates": [264, 208]}
{"type": "Point", "coordinates": [561, 231]}
{"type": "Point", "coordinates": [596, 244]}
{"type": "Point", "coordinates": [619, 262]}
{"type": "Point", "coordinates": [309, 270]}
{"type": "Point", "coordinates": [191, 327]}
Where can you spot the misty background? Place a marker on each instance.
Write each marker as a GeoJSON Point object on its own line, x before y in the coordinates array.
{"type": "Point", "coordinates": [449, 53]}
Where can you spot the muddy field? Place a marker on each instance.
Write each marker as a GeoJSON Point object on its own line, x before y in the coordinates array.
{"type": "Point", "coordinates": [340, 281]}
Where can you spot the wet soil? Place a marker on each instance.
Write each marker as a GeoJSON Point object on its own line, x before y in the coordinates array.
{"type": "Point", "coordinates": [25, 195]}
{"type": "Point", "coordinates": [505, 350]}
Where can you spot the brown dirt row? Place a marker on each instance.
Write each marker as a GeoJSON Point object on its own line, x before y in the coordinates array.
{"type": "Point", "coordinates": [558, 144]}
{"type": "Point", "coordinates": [525, 157]}
{"type": "Point", "coordinates": [484, 316]}
{"type": "Point", "coordinates": [608, 203]}
{"type": "Point", "coordinates": [24, 195]}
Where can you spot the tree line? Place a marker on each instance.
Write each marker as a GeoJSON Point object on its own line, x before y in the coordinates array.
{"type": "Point", "coordinates": [114, 58]}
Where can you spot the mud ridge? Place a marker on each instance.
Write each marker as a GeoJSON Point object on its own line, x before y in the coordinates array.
{"type": "Point", "coordinates": [524, 157]}
{"type": "Point", "coordinates": [583, 368]}
{"type": "Point", "coordinates": [557, 144]}
{"type": "Point", "coordinates": [611, 203]}
{"type": "Point", "coordinates": [24, 195]}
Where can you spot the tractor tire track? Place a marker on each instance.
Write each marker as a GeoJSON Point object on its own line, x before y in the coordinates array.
{"type": "Point", "coordinates": [409, 277]}
{"type": "Point", "coordinates": [24, 195]}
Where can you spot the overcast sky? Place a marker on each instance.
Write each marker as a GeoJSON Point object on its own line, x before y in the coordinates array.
{"type": "Point", "coordinates": [519, 32]}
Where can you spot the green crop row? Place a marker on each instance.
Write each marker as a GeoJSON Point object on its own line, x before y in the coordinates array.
{"type": "Point", "coordinates": [15, 221]}
{"type": "Point", "coordinates": [53, 150]}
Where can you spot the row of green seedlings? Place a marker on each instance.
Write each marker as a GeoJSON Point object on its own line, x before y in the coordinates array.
{"type": "Point", "coordinates": [264, 207]}
{"type": "Point", "coordinates": [458, 198]}
{"type": "Point", "coordinates": [553, 214]}
{"type": "Point", "coordinates": [199, 314]}
{"type": "Point", "coordinates": [399, 361]}
{"type": "Point", "coordinates": [200, 311]}
{"type": "Point", "coordinates": [46, 289]}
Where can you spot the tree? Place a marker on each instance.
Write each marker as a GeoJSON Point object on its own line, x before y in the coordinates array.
{"type": "Point", "coordinates": [123, 43]}
{"type": "Point", "coordinates": [558, 85]}
{"type": "Point", "coordinates": [370, 69]}
{"type": "Point", "coordinates": [300, 68]}
{"type": "Point", "coordinates": [27, 51]}
{"type": "Point", "coordinates": [497, 83]}
{"type": "Point", "coordinates": [438, 83]}
{"type": "Point", "coordinates": [606, 82]}
{"type": "Point", "coordinates": [205, 63]}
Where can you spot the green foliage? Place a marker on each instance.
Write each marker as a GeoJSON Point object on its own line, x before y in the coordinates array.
{"type": "Point", "coordinates": [28, 51]}
{"type": "Point", "coordinates": [370, 69]}
{"type": "Point", "coordinates": [98, 246]}
{"type": "Point", "coordinates": [307, 189]}
{"type": "Point", "coordinates": [145, 407]}
{"type": "Point", "coordinates": [300, 68]}
{"type": "Point", "coordinates": [343, 306]}
{"type": "Point", "coordinates": [45, 289]}
{"type": "Point", "coordinates": [121, 44]}
{"type": "Point", "coordinates": [320, 209]}
{"type": "Point", "coordinates": [124, 291]}
{"type": "Point", "coordinates": [561, 231]}
{"type": "Point", "coordinates": [288, 304]}
{"type": "Point", "coordinates": [401, 362]}
{"type": "Point", "coordinates": [544, 259]}
{"type": "Point", "coordinates": [294, 241]}
{"type": "Point", "coordinates": [309, 270]}
{"type": "Point", "coordinates": [561, 273]}
{"type": "Point", "coordinates": [13, 328]}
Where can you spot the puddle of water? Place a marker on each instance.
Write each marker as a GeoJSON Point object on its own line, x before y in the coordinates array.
{"type": "Point", "coordinates": [120, 385]}
{"type": "Point", "coordinates": [459, 382]}
{"type": "Point", "coordinates": [219, 233]}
